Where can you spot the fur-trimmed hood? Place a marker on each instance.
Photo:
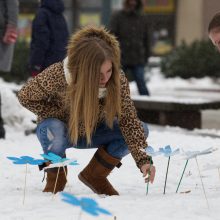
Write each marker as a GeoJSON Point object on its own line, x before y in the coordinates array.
{"type": "Point", "coordinates": [100, 32]}
{"type": "Point", "coordinates": [88, 32]}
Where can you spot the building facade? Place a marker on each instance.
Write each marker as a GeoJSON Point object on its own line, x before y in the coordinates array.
{"type": "Point", "coordinates": [170, 21]}
{"type": "Point", "coordinates": [193, 18]}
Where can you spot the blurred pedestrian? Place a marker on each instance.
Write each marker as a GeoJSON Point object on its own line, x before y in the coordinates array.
{"type": "Point", "coordinates": [84, 102]}
{"type": "Point", "coordinates": [49, 36]}
{"type": "Point", "coordinates": [8, 36]}
{"type": "Point", "coordinates": [130, 27]}
{"type": "Point", "coordinates": [214, 30]}
{"type": "Point", "coordinates": [8, 32]}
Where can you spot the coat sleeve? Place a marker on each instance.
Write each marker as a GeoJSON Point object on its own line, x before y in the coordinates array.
{"type": "Point", "coordinates": [12, 12]}
{"type": "Point", "coordinates": [131, 126]}
{"type": "Point", "coordinates": [40, 41]}
{"type": "Point", "coordinates": [39, 94]}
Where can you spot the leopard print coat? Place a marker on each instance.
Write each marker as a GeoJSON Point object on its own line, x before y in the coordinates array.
{"type": "Point", "coordinates": [44, 95]}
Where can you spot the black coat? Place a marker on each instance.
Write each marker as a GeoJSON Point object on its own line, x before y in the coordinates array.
{"type": "Point", "coordinates": [49, 35]}
{"type": "Point", "coordinates": [131, 30]}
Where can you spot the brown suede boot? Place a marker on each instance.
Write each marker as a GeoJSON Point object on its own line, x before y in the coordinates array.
{"type": "Point", "coordinates": [51, 180]}
{"type": "Point", "coordinates": [96, 172]}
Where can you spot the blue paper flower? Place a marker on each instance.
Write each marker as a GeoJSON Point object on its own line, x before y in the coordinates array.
{"type": "Point", "coordinates": [168, 152]}
{"type": "Point", "coordinates": [151, 152]}
{"type": "Point", "coordinates": [55, 159]}
{"type": "Point", "coordinates": [87, 204]}
{"type": "Point", "coordinates": [192, 154]}
{"type": "Point", "coordinates": [74, 163]}
{"type": "Point", "coordinates": [26, 160]}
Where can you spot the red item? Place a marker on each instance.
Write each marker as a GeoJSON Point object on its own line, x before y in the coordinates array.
{"type": "Point", "coordinates": [10, 36]}
{"type": "Point", "coordinates": [34, 73]}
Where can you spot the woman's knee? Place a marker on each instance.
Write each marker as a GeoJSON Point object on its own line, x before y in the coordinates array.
{"type": "Point", "coordinates": [118, 149]}
{"type": "Point", "coordinates": [53, 135]}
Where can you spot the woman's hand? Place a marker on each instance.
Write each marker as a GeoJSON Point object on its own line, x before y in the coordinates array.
{"type": "Point", "coordinates": [148, 171]}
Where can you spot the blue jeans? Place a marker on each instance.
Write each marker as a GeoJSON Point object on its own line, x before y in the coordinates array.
{"type": "Point", "coordinates": [53, 136]}
{"type": "Point", "coordinates": [137, 73]}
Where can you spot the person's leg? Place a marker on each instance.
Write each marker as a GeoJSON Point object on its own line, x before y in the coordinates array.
{"type": "Point", "coordinates": [2, 130]}
{"type": "Point", "coordinates": [112, 139]}
{"type": "Point", "coordinates": [103, 135]}
{"type": "Point", "coordinates": [138, 74]}
{"type": "Point", "coordinates": [105, 159]}
{"type": "Point", "coordinates": [53, 136]}
{"type": "Point", "coordinates": [118, 148]}
{"type": "Point", "coordinates": [94, 175]}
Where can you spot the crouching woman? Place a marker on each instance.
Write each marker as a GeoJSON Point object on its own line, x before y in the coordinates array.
{"type": "Point", "coordinates": [84, 102]}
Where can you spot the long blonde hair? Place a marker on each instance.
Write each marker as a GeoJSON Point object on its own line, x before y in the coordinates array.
{"type": "Point", "coordinates": [87, 50]}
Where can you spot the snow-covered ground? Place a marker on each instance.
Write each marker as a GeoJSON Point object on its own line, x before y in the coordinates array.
{"type": "Point", "coordinates": [133, 203]}
{"type": "Point", "coordinates": [177, 87]}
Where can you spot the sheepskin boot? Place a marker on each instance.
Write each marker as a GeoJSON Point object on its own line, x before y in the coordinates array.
{"type": "Point", "coordinates": [51, 180]}
{"type": "Point", "coordinates": [95, 173]}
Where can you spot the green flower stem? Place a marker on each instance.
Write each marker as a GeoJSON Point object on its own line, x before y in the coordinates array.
{"type": "Point", "coordinates": [164, 191]}
{"type": "Point", "coordinates": [182, 175]}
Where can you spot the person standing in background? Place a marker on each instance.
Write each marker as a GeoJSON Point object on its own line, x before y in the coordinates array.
{"type": "Point", "coordinates": [49, 36]}
{"type": "Point", "coordinates": [8, 32]}
{"type": "Point", "coordinates": [130, 27]}
{"type": "Point", "coordinates": [8, 35]}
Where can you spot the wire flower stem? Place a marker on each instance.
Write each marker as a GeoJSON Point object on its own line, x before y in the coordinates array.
{"type": "Point", "coordinates": [202, 183]}
{"type": "Point", "coordinates": [164, 191]}
{"type": "Point", "coordinates": [56, 181]}
{"type": "Point", "coordinates": [182, 175]}
{"type": "Point", "coordinates": [25, 181]}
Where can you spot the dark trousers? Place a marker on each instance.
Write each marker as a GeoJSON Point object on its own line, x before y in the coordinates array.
{"type": "Point", "coordinates": [2, 130]}
{"type": "Point", "coordinates": [137, 72]}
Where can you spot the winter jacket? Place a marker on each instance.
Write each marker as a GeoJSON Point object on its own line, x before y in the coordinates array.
{"type": "Point", "coordinates": [49, 35]}
{"type": "Point", "coordinates": [131, 30]}
{"type": "Point", "coordinates": [8, 24]}
{"type": "Point", "coordinates": [44, 95]}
